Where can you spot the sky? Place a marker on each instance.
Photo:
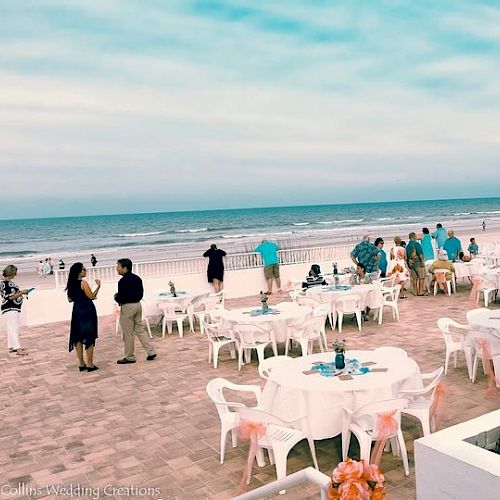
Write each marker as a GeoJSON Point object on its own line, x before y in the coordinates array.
{"type": "Point", "coordinates": [120, 106]}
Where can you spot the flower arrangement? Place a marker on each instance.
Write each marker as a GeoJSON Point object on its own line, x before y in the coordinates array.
{"type": "Point", "coordinates": [172, 288]}
{"type": "Point", "coordinates": [352, 480]}
{"type": "Point", "coordinates": [339, 345]}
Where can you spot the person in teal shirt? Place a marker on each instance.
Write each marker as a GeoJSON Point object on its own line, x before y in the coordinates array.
{"type": "Point", "coordinates": [426, 243]}
{"type": "Point", "coordinates": [452, 246]}
{"type": "Point", "coordinates": [382, 263]}
{"type": "Point", "coordinates": [440, 235]}
{"type": "Point", "coordinates": [269, 252]}
{"type": "Point", "coordinates": [473, 248]}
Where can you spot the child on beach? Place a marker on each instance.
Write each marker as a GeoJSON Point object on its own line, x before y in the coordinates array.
{"type": "Point", "coordinates": [12, 300]}
{"type": "Point", "coordinates": [473, 248]}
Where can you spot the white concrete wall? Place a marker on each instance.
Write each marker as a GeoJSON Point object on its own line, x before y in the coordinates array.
{"type": "Point", "coordinates": [448, 468]}
{"type": "Point", "coordinates": [50, 306]}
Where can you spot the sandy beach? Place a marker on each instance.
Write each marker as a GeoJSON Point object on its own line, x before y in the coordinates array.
{"type": "Point", "coordinates": [27, 275]}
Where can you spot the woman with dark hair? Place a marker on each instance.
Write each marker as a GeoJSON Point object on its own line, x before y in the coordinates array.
{"type": "Point", "coordinates": [83, 331]}
{"type": "Point", "coordinates": [215, 270]}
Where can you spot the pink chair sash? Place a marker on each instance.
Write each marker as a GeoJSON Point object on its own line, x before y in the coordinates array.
{"type": "Point", "coordinates": [476, 288]}
{"type": "Point", "coordinates": [438, 405]}
{"type": "Point", "coordinates": [386, 426]}
{"type": "Point", "coordinates": [252, 431]}
{"type": "Point", "coordinates": [484, 351]}
{"type": "Point", "coordinates": [440, 277]}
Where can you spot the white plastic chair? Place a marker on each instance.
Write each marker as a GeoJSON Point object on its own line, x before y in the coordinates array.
{"type": "Point", "coordinates": [441, 272]}
{"type": "Point", "coordinates": [388, 282]}
{"type": "Point", "coordinates": [268, 364]}
{"type": "Point", "coordinates": [209, 308]}
{"type": "Point", "coordinates": [279, 438]}
{"type": "Point", "coordinates": [310, 301]}
{"type": "Point", "coordinates": [229, 419]}
{"type": "Point", "coordinates": [326, 301]}
{"type": "Point", "coordinates": [390, 299]}
{"type": "Point", "coordinates": [216, 341]}
{"type": "Point", "coordinates": [348, 304]}
{"type": "Point", "coordinates": [172, 312]}
{"type": "Point", "coordinates": [363, 424]}
{"type": "Point", "coordinates": [250, 337]}
{"type": "Point", "coordinates": [308, 331]}
{"type": "Point", "coordinates": [487, 288]}
{"type": "Point", "coordinates": [194, 307]}
{"type": "Point", "coordinates": [454, 346]}
{"type": "Point", "coordinates": [418, 404]}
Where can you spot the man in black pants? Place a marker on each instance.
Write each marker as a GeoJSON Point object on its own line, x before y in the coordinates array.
{"type": "Point", "coordinates": [129, 296]}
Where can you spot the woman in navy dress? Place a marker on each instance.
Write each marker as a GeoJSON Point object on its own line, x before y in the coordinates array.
{"type": "Point", "coordinates": [83, 330]}
{"type": "Point", "coordinates": [215, 270]}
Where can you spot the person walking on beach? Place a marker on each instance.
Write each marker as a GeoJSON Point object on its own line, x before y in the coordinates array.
{"type": "Point", "coordinates": [12, 300]}
{"type": "Point", "coordinates": [39, 268]}
{"type": "Point", "coordinates": [269, 252]}
{"type": "Point", "coordinates": [46, 268]}
{"type": "Point", "coordinates": [440, 235]}
{"type": "Point", "coordinates": [215, 269]}
{"type": "Point", "coordinates": [416, 263]}
{"type": "Point", "coordinates": [484, 226]}
{"type": "Point", "coordinates": [93, 260]}
{"type": "Point", "coordinates": [83, 329]}
{"type": "Point", "coordinates": [129, 296]}
{"type": "Point", "coordinates": [367, 254]}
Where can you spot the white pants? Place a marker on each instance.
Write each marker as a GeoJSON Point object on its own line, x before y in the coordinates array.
{"type": "Point", "coordinates": [12, 320]}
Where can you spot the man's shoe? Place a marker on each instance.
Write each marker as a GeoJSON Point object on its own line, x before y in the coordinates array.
{"type": "Point", "coordinates": [125, 361]}
{"type": "Point", "coordinates": [151, 357]}
{"type": "Point", "coordinates": [92, 368]}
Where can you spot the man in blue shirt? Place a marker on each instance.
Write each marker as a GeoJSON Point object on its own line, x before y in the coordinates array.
{"type": "Point", "coordinates": [269, 252]}
{"type": "Point", "coordinates": [440, 235]}
{"type": "Point", "coordinates": [452, 246]}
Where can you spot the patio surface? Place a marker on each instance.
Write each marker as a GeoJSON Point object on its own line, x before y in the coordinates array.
{"type": "Point", "coordinates": [151, 424]}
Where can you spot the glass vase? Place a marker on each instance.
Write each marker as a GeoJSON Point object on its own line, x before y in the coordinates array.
{"type": "Point", "coordinates": [339, 360]}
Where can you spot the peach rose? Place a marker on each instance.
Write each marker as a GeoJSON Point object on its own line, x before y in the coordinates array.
{"type": "Point", "coordinates": [372, 473]}
{"type": "Point", "coordinates": [333, 493]}
{"type": "Point", "coordinates": [349, 469]}
{"type": "Point", "coordinates": [378, 494]}
{"type": "Point", "coordinates": [354, 490]}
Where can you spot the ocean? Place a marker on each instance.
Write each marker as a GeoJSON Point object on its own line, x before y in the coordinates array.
{"type": "Point", "coordinates": [151, 236]}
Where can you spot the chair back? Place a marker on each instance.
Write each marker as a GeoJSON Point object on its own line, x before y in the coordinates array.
{"type": "Point", "coordinates": [348, 303]}
{"type": "Point", "coordinates": [388, 282]}
{"type": "Point", "coordinates": [214, 300]}
{"type": "Point", "coordinates": [215, 392]}
{"type": "Point", "coordinates": [437, 376]}
{"type": "Point", "coordinates": [259, 416]}
{"type": "Point", "coordinates": [212, 331]}
{"type": "Point", "coordinates": [172, 309]}
{"type": "Point", "coordinates": [294, 294]}
{"type": "Point", "coordinates": [251, 334]}
{"type": "Point", "coordinates": [268, 364]}
{"type": "Point", "coordinates": [444, 325]}
{"type": "Point", "coordinates": [367, 416]}
{"type": "Point", "coordinates": [150, 307]}
{"type": "Point", "coordinates": [308, 301]}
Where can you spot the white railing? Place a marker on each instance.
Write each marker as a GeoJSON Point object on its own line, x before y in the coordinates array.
{"type": "Point", "coordinates": [310, 475]}
{"type": "Point", "coordinates": [198, 265]}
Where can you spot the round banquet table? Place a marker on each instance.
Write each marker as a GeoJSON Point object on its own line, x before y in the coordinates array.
{"type": "Point", "coordinates": [184, 297]}
{"type": "Point", "coordinates": [370, 295]}
{"type": "Point", "coordinates": [289, 393]}
{"type": "Point", "coordinates": [289, 312]}
{"type": "Point", "coordinates": [485, 324]}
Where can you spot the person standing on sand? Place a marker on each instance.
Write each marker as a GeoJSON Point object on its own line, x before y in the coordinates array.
{"type": "Point", "coordinates": [215, 269]}
{"type": "Point", "coordinates": [416, 263]}
{"type": "Point", "coordinates": [426, 243]}
{"type": "Point", "coordinates": [269, 252]}
{"type": "Point", "coordinates": [453, 246]}
{"type": "Point", "coordinates": [83, 330]}
{"type": "Point", "coordinates": [39, 268]}
{"type": "Point", "coordinates": [440, 235]}
{"type": "Point", "coordinates": [484, 226]}
{"type": "Point", "coordinates": [129, 296]}
{"type": "Point", "coordinates": [12, 300]}
{"type": "Point", "coordinates": [93, 260]}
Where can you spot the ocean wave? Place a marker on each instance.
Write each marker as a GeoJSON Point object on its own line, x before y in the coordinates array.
{"type": "Point", "coordinates": [18, 253]}
{"type": "Point", "coordinates": [384, 218]}
{"type": "Point", "coordinates": [325, 222]}
{"type": "Point", "coordinates": [348, 220]}
{"type": "Point", "coordinates": [301, 223]}
{"type": "Point", "coordinates": [135, 235]}
{"type": "Point", "coordinates": [202, 229]}
{"type": "Point", "coordinates": [489, 212]}
{"type": "Point", "coordinates": [463, 213]}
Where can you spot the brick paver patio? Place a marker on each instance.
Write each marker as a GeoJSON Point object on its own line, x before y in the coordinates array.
{"type": "Point", "coordinates": [151, 424]}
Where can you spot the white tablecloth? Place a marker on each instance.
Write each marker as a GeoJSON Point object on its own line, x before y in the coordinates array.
{"type": "Point", "coordinates": [289, 393]}
{"type": "Point", "coordinates": [184, 297]}
{"type": "Point", "coordinates": [485, 324]}
{"type": "Point", "coordinates": [370, 295]}
{"type": "Point", "coordinates": [289, 312]}
{"type": "Point", "coordinates": [467, 269]}
{"type": "Point", "coordinates": [492, 276]}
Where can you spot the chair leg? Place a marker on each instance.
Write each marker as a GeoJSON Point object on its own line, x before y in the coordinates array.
{"type": "Point", "coordinates": [404, 454]}
{"type": "Point", "coordinates": [304, 344]}
{"type": "Point", "coordinates": [163, 326]}
{"type": "Point", "coordinates": [346, 439]}
{"type": "Point", "coordinates": [358, 319]}
{"type": "Point", "coordinates": [148, 327]}
{"type": "Point", "coordinates": [240, 358]}
{"type": "Point", "coordinates": [313, 452]}
{"type": "Point", "coordinates": [446, 361]}
{"type": "Point", "coordinates": [216, 354]}
{"type": "Point", "coordinates": [341, 319]}
{"type": "Point", "coordinates": [455, 359]}
{"type": "Point", "coordinates": [426, 426]}
{"type": "Point", "coordinates": [468, 360]}
{"type": "Point", "coordinates": [180, 328]}
{"type": "Point", "coordinates": [210, 351]}
{"type": "Point", "coordinates": [223, 435]}
{"type": "Point", "coordinates": [380, 314]}
{"type": "Point", "coordinates": [474, 368]}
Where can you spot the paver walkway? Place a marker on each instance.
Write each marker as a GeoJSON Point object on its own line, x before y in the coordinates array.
{"type": "Point", "coordinates": [151, 424]}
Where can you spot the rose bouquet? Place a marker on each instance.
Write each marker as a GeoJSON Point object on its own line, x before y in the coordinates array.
{"type": "Point", "coordinates": [352, 480]}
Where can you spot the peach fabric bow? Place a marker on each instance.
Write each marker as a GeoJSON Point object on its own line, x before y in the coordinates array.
{"type": "Point", "coordinates": [252, 431]}
{"type": "Point", "coordinates": [483, 348]}
{"type": "Point", "coordinates": [436, 411]}
{"type": "Point", "coordinates": [386, 426]}
{"type": "Point", "coordinates": [440, 277]}
{"type": "Point", "coordinates": [476, 287]}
